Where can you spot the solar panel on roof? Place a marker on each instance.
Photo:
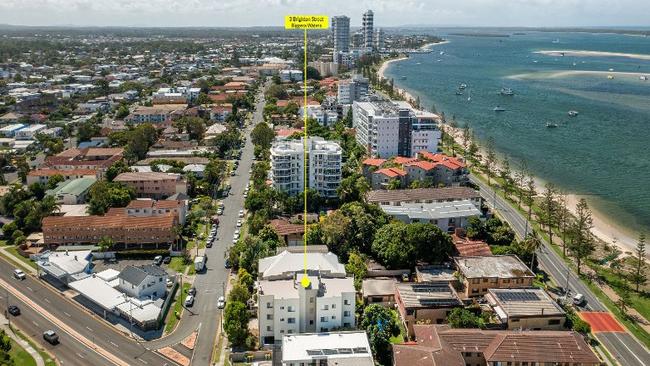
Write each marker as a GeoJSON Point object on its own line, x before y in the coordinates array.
{"type": "Point", "coordinates": [518, 296]}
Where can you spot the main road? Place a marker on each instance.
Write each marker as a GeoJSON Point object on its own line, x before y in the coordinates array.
{"type": "Point", "coordinates": [204, 314]}
{"type": "Point", "coordinates": [622, 346]}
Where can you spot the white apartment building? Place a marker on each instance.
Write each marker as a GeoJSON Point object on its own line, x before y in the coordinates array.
{"type": "Point", "coordinates": [335, 348]}
{"type": "Point", "coordinates": [368, 29]}
{"type": "Point", "coordinates": [287, 76]}
{"type": "Point", "coordinates": [388, 128]}
{"type": "Point", "coordinates": [287, 164]}
{"type": "Point", "coordinates": [29, 132]}
{"type": "Point", "coordinates": [320, 115]}
{"type": "Point", "coordinates": [352, 90]}
{"type": "Point", "coordinates": [286, 307]}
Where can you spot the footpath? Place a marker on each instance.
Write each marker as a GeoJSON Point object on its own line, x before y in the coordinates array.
{"type": "Point", "coordinates": [4, 325]}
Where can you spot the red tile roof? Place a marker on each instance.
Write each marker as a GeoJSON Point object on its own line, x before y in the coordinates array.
{"type": "Point", "coordinates": [403, 160]}
{"type": "Point", "coordinates": [391, 172]}
{"type": "Point", "coordinates": [374, 162]}
{"type": "Point", "coordinates": [284, 227]}
{"type": "Point", "coordinates": [425, 165]}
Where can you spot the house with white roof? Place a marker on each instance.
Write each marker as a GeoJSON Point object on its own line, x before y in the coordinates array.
{"type": "Point", "coordinates": [335, 348]}
{"type": "Point", "coordinates": [67, 266]}
{"type": "Point", "coordinates": [446, 215]}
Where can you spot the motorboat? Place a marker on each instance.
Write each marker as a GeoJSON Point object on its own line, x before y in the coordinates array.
{"type": "Point", "coordinates": [643, 77]}
{"type": "Point", "coordinates": [462, 86]}
{"type": "Point", "coordinates": [573, 113]}
{"type": "Point", "coordinates": [551, 125]}
{"type": "Point", "coordinates": [499, 109]}
{"type": "Point", "coordinates": [458, 92]}
{"type": "Point", "coordinates": [507, 92]}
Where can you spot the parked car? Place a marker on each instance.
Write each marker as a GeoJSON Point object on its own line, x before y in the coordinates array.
{"type": "Point", "coordinates": [227, 265]}
{"type": "Point", "coordinates": [192, 291]}
{"type": "Point", "coordinates": [157, 260]}
{"type": "Point", "coordinates": [238, 223]}
{"type": "Point", "coordinates": [51, 337]}
{"type": "Point", "coordinates": [19, 274]}
{"type": "Point", "coordinates": [167, 260]}
{"type": "Point", "coordinates": [241, 213]}
{"type": "Point", "coordinates": [13, 310]}
{"type": "Point", "coordinates": [221, 302]}
{"type": "Point", "coordinates": [189, 301]}
{"type": "Point", "coordinates": [579, 299]}
{"type": "Point", "coordinates": [208, 244]}
{"type": "Point", "coordinates": [169, 282]}
{"type": "Point", "coordinates": [219, 212]}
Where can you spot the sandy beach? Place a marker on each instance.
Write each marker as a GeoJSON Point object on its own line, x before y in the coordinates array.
{"type": "Point", "coordinates": [560, 53]}
{"type": "Point", "coordinates": [568, 73]}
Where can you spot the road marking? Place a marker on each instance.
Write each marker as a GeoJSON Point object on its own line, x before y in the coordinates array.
{"type": "Point", "coordinates": [68, 315]}
{"type": "Point", "coordinates": [35, 323]}
{"type": "Point", "coordinates": [89, 329]}
{"type": "Point", "coordinates": [114, 344]}
{"type": "Point", "coordinates": [143, 361]}
{"type": "Point", "coordinates": [80, 356]}
{"type": "Point", "coordinates": [46, 300]}
{"type": "Point", "coordinates": [30, 289]}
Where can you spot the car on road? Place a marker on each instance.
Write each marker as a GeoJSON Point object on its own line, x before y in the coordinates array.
{"type": "Point", "coordinates": [157, 260]}
{"type": "Point", "coordinates": [169, 282]}
{"type": "Point", "coordinates": [579, 300]}
{"type": "Point", "coordinates": [51, 337]}
{"type": "Point", "coordinates": [192, 291]}
{"type": "Point", "coordinates": [237, 232]}
{"type": "Point", "coordinates": [227, 264]}
{"type": "Point", "coordinates": [241, 213]}
{"type": "Point", "coordinates": [189, 301]}
{"type": "Point", "coordinates": [219, 212]}
{"type": "Point", "coordinates": [221, 302]}
{"type": "Point", "coordinates": [167, 260]}
{"type": "Point", "coordinates": [13, 310]}
{"type": "Point", "coordinates": [238, 223]}
{"type": "Point", "coordinates": [19, 274]}
{"type": "Point", "coordinates": [245, 194]}
{"type": "Point", "coordinates": [208, 244]}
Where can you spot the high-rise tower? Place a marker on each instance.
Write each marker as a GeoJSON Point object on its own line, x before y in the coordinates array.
{"type": "Point", "coordinates": [368, 30]}
{"type": "Point", "coordinates": [341, 35]}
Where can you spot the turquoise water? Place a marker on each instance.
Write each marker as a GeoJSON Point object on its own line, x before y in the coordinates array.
{"type": "Point", "coordinates": [604, 153]}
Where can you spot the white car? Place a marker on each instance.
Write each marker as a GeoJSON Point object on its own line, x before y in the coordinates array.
{"type": "Point", "coordinates": [237, 232]}
{"type": "Point", "coordinates": [236, 236]}
{"type": "Point", "coordinates": [221, 302]}
{"type": "Point", "coordinates": [189, 301]}
{"type": "Point", "coordinates": [219, 212]}
{"type": "Point", "coordinates": [19, 274]}
{"type": "Point", "coordinates": [238, 223]}
{"type": "Point", "coordinates": [241, 213]}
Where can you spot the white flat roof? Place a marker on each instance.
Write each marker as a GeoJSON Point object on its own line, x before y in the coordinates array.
{"type": "Point", "coordinates": [433, 211]}
{"type": "Point", "coordinates": [99, 292]}
{"type": "Point", "coordinates": [339, 345]}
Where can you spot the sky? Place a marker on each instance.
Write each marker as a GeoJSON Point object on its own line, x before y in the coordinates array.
{"type": "Point", "coordinates": [229, 13]}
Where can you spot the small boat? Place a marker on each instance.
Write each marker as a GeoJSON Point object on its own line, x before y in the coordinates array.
{"type": "Point", "coordinates": [551, 125]}
{"type": "Point", "coordinates": [499, 109]}
{"type": "Point", "coordinates": [462, 86]}
{"type": "Point", "coordinates": [507, 92]}
{"type": "Point", "coordinates": [418, 63]}
{"type": "Point", "coordinates": [403, 77]}
{"type": "Point", "coordinates": [611, 69]}
{"type": "Point", "coordinates": [458, 92]}
{"type": "Point", "coordinates": [643, 77]}
{"type": "Point", "coordinates": [442, 53]}
{"type": "Point", "coordinates": [610, 77]}
{"type": "Point", "coordinates": [573, 113]}
{"type": "Point", "coordinates": [557, 40]}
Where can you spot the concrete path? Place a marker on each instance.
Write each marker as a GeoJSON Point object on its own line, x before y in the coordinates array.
{"type": "Point", "coordinates": [24, 266]}
{"type": "Point", "coordinates": [4, 325]}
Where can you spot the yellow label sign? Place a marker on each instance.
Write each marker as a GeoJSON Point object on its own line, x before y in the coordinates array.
{"type": "Point", "coordinates": [306, 22]}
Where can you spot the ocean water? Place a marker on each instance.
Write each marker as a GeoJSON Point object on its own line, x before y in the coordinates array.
{"type": "Point", "coordinates": [603, 154]}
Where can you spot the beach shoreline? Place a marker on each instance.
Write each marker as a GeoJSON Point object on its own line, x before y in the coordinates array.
{"type": "Point", "coordinates": [581, 53]}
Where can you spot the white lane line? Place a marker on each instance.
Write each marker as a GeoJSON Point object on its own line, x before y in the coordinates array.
{"type": "Point", "coordinates": [35, 323]}
{"type": "Point", "coordinates": [143, 361]}
{"type": "Point", "coordinates": [67, 314]}
{"type": "Point", "coordinates": [46, 300]}
{"type": "Point", "coordinates": [30, 289]}
{"type": "Point", "coordinates": [80, 356]}
{"type": "Point", "coordinates": [89, 329]}
{"type": "Point", "coordinates": [114, 344]}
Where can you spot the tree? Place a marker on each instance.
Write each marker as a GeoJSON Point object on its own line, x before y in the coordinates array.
{"type": "Point", "coordinates": [356, 266]}
{"type": "Point", "coordinates": [235, 322]}
{"type": "Point", "coordinates": [5, 348]}
{"type": "Point", "coordinates": [116, 169]}
{"type": "Point", "coordinates": [122, 111]}
{"type": "Point", "coordinates": [532, 244]}
{"type": "Point", "coordinates": [394, 184]}
{"type": "Point", "coordinates": [506, 175]}
{"type": "Point", "coordinates": [400, 245]}
{"type": "Point", "coordinates": [549, 210]}
{"type": "Point", "coordinates": [353, 188]}
{"type": "Point", "coordinates": [381, 325]}
{"type": "Point", "coordinates": [104, 195]}
{"type": "Point", "coordinates": [105, 243]}
{"type": "Point", "coordinates": [530, 195]}
{"type": "Point", "coordinates": [239, 293]}
{"type": "Point", "coordinates": [625, 300]}
{"type": "Point", "coordinates": [245, 279]}
{"type": "Point", "coordinates": [215, 171]}
{"type": "Point", "coordinates": [490, 159]}
{"type": "Point", "coordinates": [87, 130]}
{"type": "Point", "coordinates": [262, 135]}
{"type": "Point", "coordinates": [475, 228]}
{"type": "Point", "coordinates": [312, 73]}
{"type": "Point", "coordinates": [581, 242]}
{"type": "Point", "coordinates": [638, 275]}
{"type": "Point", "coordinates": [463, 318]}
{"type": "Point", "coordinates": [54, 181]}
{"type": "Point", "coordinates": [520, 181]}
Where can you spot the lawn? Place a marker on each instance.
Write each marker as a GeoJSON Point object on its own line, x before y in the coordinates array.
{"type": "Point", "coordinates": [13, 250]}
{"type": "Point", "coordinates": [177, 264]}
{"type": "Point", "coordinates": [176, 308]}
{"type": "Point", "coordinates": [49, 361]}
{"type": "Point", "coordinates": [20, 356]}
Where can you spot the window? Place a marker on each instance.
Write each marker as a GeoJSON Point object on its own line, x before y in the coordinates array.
{"type": "Point", "coordinates": [291, 320]}
{"type": "Point", "coordinates": [326, 307]}
{"type": "Point", "coordinates": [333, 306]}
{"type": "Point", "coordinates": [268, 305]}
{"type": "Point", "coordinates": [269, 316]}
{"type": "Point", "coordinates": [553, 321]}
{"type": "Point", "coordinates": [268, 328]}
{"type": "Point", "coordinates": [346, 302]}
{"type": "Point", "coordinates": [323, 319]}
{"type": "Point", "coordinates": [346, 313]}
{"type": "Point", "coordinates": [290, 309]}
{"type": "Point", "coordinates": [333, 317]}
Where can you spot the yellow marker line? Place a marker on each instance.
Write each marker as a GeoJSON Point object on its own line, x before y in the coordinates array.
{"type": "Point", "coordinates": [305, 158]}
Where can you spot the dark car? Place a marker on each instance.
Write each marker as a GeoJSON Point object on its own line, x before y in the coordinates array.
{"type": "Point", "coordinates": [13, 310]}
{"type": "Point", "coordinates": [167, 260]}
{"type": "Point", "coordinates": [228, 264]}
{"type": "Point", "coordinates": [51, 337]}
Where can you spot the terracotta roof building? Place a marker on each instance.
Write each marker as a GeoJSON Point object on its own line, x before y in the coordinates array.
{"type": "Point", "coordinates": [292, 234]}
{"type": "Point", "coordinates": [424, 195]}
{"type": "Point", "coordinates": [438, 345]}
{"type": "Point", "coordinates": [153, 184]}
{"type": "Point", "coordinates": [94, 158]}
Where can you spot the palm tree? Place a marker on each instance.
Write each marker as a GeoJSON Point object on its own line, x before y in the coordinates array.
{"type": "Point", "coordinates": [532, 244]}
{"type": "Point", "coordinates": [105, 243]}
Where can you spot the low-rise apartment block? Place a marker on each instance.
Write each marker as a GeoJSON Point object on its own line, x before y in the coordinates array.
{"type": "Point", "coordinates": [425, 302]}
{"type": "Point", "coordinates": [481, 273]}
{"type": "Point", "coordinates": [43, 175]}
{"type": "Point", "coordinates": [335, 348]}
{"type": "Point", "coordinates": [151, 208]}
{"type": "Point", "coordinates": [448, 216]}
{"type": "Point", "coordinates": [153, 184]}
{"type": "Point", "coordinates": [398, 197]}
{"type": "Point", "coordinates": [94, 158]}
{"type": "Point", "coordinates": [159, 115]}
{"type": "Point", "coordinates": [526, 308]}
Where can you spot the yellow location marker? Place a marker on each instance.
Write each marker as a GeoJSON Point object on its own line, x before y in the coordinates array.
{"type": "Point", "coordinates": [306, 22]}
{"type": "Point", "coordinates": [305, 282]}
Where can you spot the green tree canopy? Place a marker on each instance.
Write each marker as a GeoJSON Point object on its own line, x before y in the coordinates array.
{"type": "Point", "coordinates": [235, 322]}
{"type": "Point", "coordinates": [104, 195]}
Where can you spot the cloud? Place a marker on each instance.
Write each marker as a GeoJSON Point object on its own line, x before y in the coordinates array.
{"type": "Point", "coordinates": [271, 12]}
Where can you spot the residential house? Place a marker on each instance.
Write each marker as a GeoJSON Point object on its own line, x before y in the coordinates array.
{"type": "Point", "coordinates": [425, 301]}
{"type": "Point", "coordinates": [72, 192]}
{"type": "Point", "coordinates": [379, 291]}
{"type": "Point", "coordinates": [143, 282]}
{"type": "Point", "coordinates": [448, 216]}
{"type": "Point", "coordinates": [67, 266]}
{"type": "Point", "coordinates": [292, 234]}
{"type": "Point", "coordinates": [526, 308]}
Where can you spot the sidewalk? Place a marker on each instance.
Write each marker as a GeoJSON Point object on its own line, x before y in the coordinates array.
{"type": "Point", "coordinates": [4, 324]}
{"type": "Point", "coordinates": [19, 261]}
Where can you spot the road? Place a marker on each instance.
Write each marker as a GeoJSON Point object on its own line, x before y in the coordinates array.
{"type": "Point", "coordinates": [622, 346]}
{"type": "Point", "coordinates": [209, 285]}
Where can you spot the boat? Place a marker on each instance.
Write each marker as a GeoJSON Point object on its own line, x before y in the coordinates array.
{"type": "Point", "coordinates": [469, 95]}
{"type": "Point", "coordinates": [610, 77]}
{"type": "Point", "coordinates": [418, 63]}
{"type": "Point", "coordinates": [403, 77]}
{"type": "Point", "coordinates": [499, 109]}
{"type": "Point", "coordinates": [458, 92]}
{"type": "Point", "coordinates": [643, 77]}
{"type": "Point", "coordinates": [507, 92]}
{"type": "Point", "coordinates": [442, 53]}
{"type": "Point", "coordinates": [573, 113]}
{"type": "Point", "coordinates": [557, 40]}
{"type": "Point", "coordinates": [462, 86]}
{"type": "Point", "coordinates": [551, 125]}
